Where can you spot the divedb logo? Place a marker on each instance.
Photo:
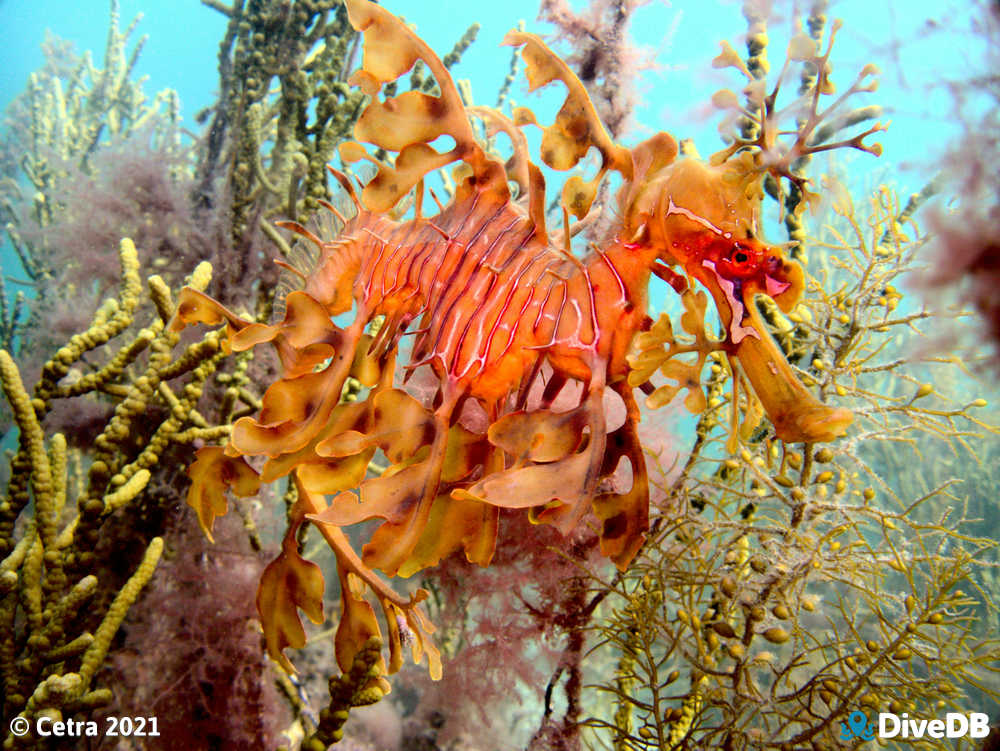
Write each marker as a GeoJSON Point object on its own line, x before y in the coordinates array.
{"type": "Point", "coordinates": [902, 726]}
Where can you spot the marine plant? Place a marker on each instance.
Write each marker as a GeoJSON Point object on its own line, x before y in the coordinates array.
{"type": "Point", "coordinates": [103, 412]}
{"type": "Point", "coordinates": [284, 106]}
{"type": "Point", "coordinates": [85, 156]}
{"type": "Point", "coordinates": [89, 128]}
{"type": "Point", "coordinates": [59, 606]}
{"type": "Point", "coordinates": [965, 254]}
{"type": "Point", "coordinates": [71, 107]}
{"type": "Point", "coordinates": [785, 588]}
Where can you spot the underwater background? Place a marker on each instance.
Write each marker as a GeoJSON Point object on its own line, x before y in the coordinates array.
{"type": "Point", "coordinates": [921, 47]}
{"type": "Point", "coordinates": [782, 588]}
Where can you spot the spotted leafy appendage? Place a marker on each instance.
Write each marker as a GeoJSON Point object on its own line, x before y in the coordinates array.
{"type": "Point", "coordinates": [288, 584]}
{"type": "Point", "coordinates": [212, 473]}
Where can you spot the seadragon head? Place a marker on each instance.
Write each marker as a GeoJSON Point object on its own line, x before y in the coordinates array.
{"type": "Point", "coordinates": [704, 219]}
{"type": "Point", "coordinates": [688, 219]}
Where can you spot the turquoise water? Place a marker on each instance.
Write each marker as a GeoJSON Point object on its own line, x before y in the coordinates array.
{"type": "Point", "coordinates": [920, 46]}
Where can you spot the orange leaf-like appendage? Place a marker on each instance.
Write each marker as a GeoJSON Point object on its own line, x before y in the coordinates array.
{"type": "Point", "coordinates": [357, 624]}
{"type": "Point", "coordinates": [211, 473]}
{"type": "Point", "coordinates": [408, 123]}
{"type": "Point", "coordinates": [288, 584]}
{"type": "Point", "coordinates": [577, 126]}
{"type": "Point", "coordinates": [624, 516]}
{"type": "Point", "coordinates": [304, 339]}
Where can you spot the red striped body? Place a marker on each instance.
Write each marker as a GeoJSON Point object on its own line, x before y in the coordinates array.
{"type": "Point", "coordinates": [485, 298]}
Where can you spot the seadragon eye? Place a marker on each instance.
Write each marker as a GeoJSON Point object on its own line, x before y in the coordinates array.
{"type": "Point", "coordinates": [740, 260]}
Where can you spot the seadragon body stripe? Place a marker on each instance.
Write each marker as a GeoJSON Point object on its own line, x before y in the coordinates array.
{"type": "Point", "coordinates": [472, 279]}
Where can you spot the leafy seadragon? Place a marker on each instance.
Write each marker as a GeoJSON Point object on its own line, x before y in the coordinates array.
{"type": "Point", "coordinates": [507, 319]}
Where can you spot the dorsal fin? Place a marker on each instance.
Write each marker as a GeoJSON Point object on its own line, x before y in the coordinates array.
{"type": "Point", "coordinates": [347, 185]}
